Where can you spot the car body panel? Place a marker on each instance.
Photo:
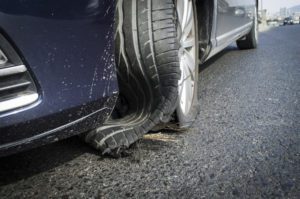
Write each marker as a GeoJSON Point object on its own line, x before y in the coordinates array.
{"type": "Point", "coordinates": [232, 20]}
{"type": "Point", "coordinates": [68, 48]}
{"type": "Point", "coordinates": [233, 14]}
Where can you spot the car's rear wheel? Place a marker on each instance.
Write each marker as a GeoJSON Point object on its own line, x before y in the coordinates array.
{"type": "Point", "coordinates": [148, 42]}
{"type": "Point", "coordinates": [250, 41]}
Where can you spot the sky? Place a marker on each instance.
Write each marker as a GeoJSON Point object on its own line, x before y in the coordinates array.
{"type": "Point", "coordinates": [274, 5]}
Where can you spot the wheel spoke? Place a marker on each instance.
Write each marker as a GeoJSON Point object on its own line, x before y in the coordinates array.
{"type": "Point", "coordinates": [183, 78]}
{"type": "Point", "coordinates": [190, 62]}
{"type": "Point", "coordinates": [189, 101]}
{"type": "Point", "coordinates": [188, 43]}
{"type": "Point", "coordinates": [187, 30]}
{"type": "Point", "coordinates": [189, 14]}
{"type": "Point", "coordinates": [185, 15]}
{"type": "Point", "coordinates": [180, 11]}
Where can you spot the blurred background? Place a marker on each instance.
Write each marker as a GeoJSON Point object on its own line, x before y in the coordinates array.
{"type": "Point", "coordinates": [279, 12]}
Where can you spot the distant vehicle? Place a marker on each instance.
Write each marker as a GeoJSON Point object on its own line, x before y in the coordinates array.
{"type": "Point", "coordinates": [110, 71]}
{"type": "Point", "coordinates": [296, 20]}
{"type": "Point", "coordinates": [273, 22]}
{"type": "Point", "coordinates": [288, 21]}
{"type": "Point", "coordinates": [280, 22]}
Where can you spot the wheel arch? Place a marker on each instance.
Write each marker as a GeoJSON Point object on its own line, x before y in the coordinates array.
{"type": "Point", "coordinates": [205, 17]}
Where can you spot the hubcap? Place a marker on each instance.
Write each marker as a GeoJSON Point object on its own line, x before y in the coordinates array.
{"type": "Point", "coordinates": [187, 54]}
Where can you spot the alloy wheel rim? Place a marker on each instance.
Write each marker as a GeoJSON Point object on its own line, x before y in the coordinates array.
{"type": "Point", "coordinates": [256, 25]}
{"type": "Point", "coordinates": [187, 54]}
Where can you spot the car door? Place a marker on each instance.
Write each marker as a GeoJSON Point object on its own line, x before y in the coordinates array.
{"type": "Point", "coordinates": [233, 17]}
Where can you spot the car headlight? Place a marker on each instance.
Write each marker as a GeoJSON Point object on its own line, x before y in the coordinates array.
{"type": "Point", "coordinates": [17, 88]}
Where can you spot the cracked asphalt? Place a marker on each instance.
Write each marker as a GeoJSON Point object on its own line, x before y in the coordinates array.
{"type": "Point", "coordinates": [245, 142]}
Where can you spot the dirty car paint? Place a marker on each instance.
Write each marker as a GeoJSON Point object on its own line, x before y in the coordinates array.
{"type": "Point", "coordinates": [68, 48]}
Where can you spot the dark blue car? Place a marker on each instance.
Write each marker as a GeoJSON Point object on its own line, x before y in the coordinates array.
{"type": "Point", "coordinates": [109, 70]}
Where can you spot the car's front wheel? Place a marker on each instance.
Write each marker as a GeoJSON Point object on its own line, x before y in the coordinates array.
{"type": "Point", "coordinates": [156, 57]}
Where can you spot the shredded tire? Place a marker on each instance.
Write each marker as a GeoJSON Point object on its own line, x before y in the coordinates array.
{"type": "Point", "coordinates": [148, 72]}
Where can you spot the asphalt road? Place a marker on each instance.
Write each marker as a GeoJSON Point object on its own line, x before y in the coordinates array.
{"type": "Point", "coordinates": [244, 144]}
